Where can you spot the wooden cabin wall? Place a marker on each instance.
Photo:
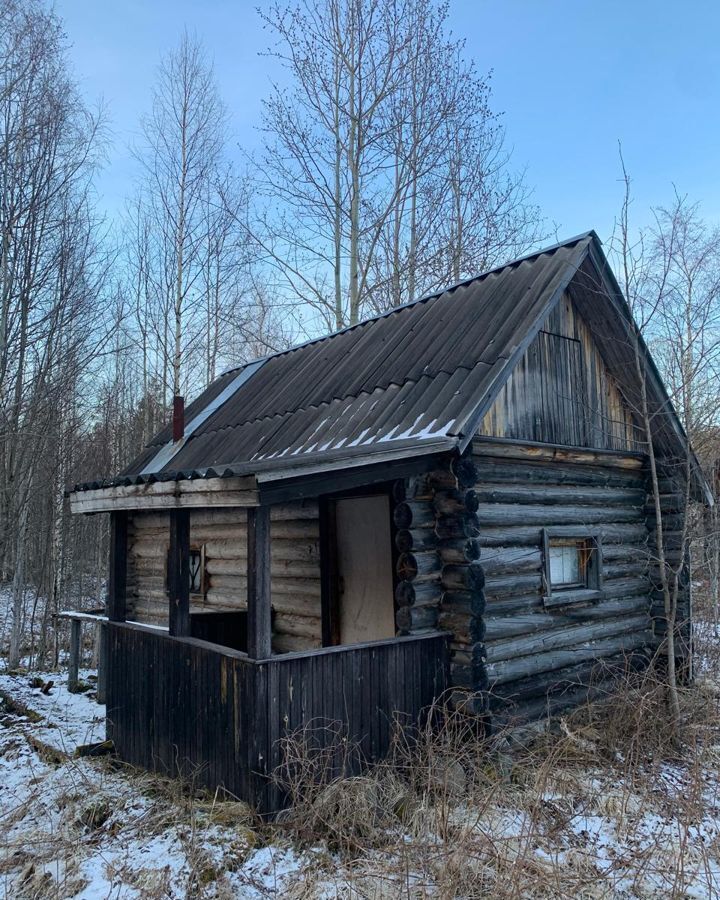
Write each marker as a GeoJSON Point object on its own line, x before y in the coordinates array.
{"type": "Point", "coordinates": [295, 568]}
{"type": "Point", "coordinates": [562, 393]}
{"type": "Point", "coordinates": [441, 580]}
{"type": "Point", "coordinates": [536, 659]}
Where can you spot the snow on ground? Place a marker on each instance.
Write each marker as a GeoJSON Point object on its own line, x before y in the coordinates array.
{"type": "Point", "coordinates": [85, 829]}
{"type": "Point", "coordinates": [565, 826]}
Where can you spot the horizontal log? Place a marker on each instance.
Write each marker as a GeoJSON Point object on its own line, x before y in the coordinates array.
{"type": "Point", "coordinates": [563, 679]}
{"type": "Point", "coordinates": [415, 540]}
{"type": "Point", "coordinates": [278, 585]}
{"type": "Point", "coordinates": [301, 626]}
{"type": "Point", "coordinates": [507, 560]}
{"type": "Point", "coordinates": [564, 456]}
{"type": "Point", "coordinates": [415, 514]}
{"type": "Point", "coordinates": [625, 587]}
{"type": "Point", "coordinates": [552, 705]}
{"type": "Point", "coordinates": [203, 493]}
{"type": "Point", "coordinates": [553, 495]}
{"type": "Point", "coordinates": [411, 566]}
{"type": "Point", "coordinates": [451, 503]}
{"type": "Point", "coordinates": [508, 585]}
{"type": "Point", "coordinates": [413, 618]}
{"type": "Point", "coordinates": [616, 553]}
{"type": "Point", "coordinates": [452, 527]}
{"type": "Point", "coordinates": [304, 509]}
{"type": "Point", "coordinates": [500, 627]}
{"type": "Point", "coordinates": [562, 638]}
{"type": "Point", "coordinates": [465, 602]}
{"type": "Point", "coordinates": [493, 515]}
{"type": "Point", "coordinates": [627, 569]}
{"type": "Point", "coordinates": [290, 603]}
{"type": "Point", "coordinates": [522, 535]}
{"type": "Point", "coordinates": [466, 630]}
{"type": "Point", "coordinates": [288, 643]}
{"type": "Point", "coordinates": [463, 578]}
{"type": "Point", "coordinates": [518, 472]}
{"type": "Point", "coordinates": [281, 568]}
{"type": "Point", "coordinates": [286, 532]}
{"type": "Point", "coordinates": [422, 593]}
{"type": "Point", "coordinates": [507, 605]}
{"type": "Point", "coordinates": [504, 671]}
{"type": "Point", "coordinates": [458, 551]}
{"type": "Point", "coordinates": [281, 549]}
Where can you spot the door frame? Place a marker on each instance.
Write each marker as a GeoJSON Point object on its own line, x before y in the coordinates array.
{"type": "Point", "coordinates": [329, 580]}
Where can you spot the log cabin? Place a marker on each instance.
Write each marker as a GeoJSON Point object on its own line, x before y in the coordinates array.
{"type": "Point", "coordinates": [450, 499]}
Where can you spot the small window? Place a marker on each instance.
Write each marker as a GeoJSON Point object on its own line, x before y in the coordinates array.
{"type": "Point", "coordinates": [566, 563]}
{"type": "Point", "coordinates": [197, 570]}
{"type": "Point", "coordinates": [572, 568]}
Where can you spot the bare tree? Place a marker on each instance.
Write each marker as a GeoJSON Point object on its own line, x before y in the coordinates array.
{"type": "Point", "coordinates": [383, 169]}
{"type": "Point", "coordinates": [52, 322]}
{"type": "Point", "coordinates": [670, 275]}
{"type": "Point", "coordinates": [184, 139]}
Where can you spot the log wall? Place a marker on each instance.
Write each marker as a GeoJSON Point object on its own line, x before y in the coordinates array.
{"type": "Point", "coordinates": [295, 568]}
{"type": "Point", "coordinates": [562, 393]}
{"type": "Point", "coordinates": [528, 658]}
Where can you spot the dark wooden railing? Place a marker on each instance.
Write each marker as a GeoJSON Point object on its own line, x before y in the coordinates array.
{"type": "Point", "coordinates": [186, 707]}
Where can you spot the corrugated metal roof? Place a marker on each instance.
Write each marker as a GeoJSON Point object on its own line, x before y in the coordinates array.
{"type": "Point", "coordinates": [415, 374]}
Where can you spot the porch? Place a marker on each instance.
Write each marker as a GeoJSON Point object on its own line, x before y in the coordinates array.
{"type": "Point", "coordinates": [183, 706]}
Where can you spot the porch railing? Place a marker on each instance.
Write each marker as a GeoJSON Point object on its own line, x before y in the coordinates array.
{"type": "Point", "coordinates": [187, 707]}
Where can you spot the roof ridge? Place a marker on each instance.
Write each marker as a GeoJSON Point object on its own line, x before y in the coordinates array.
{"type": "Point", "coordinates": [433, 295]}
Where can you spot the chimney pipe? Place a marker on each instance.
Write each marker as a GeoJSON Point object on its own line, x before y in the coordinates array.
{"type": "Point", "coordinates": [178, 417]}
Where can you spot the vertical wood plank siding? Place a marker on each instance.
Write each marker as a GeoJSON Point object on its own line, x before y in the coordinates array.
{"type": "Point", "coordinates": [184, 707]}
{"type": "Point", "coordinates": [295, 568]}
{"type": "Point", "coordinates": [562, 393]}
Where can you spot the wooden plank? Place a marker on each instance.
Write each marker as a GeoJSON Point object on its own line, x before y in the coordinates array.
{"type": "Point", "coordinates": [117, 575]}
{"type": "Point", "coordinates": [102, 648]}
{"type": "Point", "coordinates": [258, 583]}
{"type": "Point", "coordinates": [330, 609]}
{"type": "Point", "coordinates": [179, 573]}
{"type": "Point", "coordinates": [74, 659]}
{"type": "Point", "coordinates": [201, 492]}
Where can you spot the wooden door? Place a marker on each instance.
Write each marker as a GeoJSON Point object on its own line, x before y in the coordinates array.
{"type": "Point", "coordinates": [365, 605]}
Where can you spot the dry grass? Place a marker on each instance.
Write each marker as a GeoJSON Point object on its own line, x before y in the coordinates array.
{"type": "Point", "coordinates": [612, 801]}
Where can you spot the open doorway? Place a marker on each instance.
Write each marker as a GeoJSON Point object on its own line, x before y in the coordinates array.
{"type": "Point", "coordinates": [358, 601]}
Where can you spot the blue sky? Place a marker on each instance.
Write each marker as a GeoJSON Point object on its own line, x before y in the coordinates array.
{"type": "Point", "coordinates": [572, 78]}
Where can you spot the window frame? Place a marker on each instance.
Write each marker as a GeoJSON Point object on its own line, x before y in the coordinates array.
{"type": "Point", "coordinates": [200, 549]}
{"type": "Point", "coordinates": [591, 587]}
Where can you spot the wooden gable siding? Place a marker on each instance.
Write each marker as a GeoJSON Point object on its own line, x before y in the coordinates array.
{"type": "Point", "coordinates": [562, 393]}
{"type": "Point", "coordinates": [295, 568]}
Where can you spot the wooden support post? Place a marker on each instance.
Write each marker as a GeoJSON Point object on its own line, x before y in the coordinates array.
{"type": "Point", "coordinates": [179, 573]}
{"type": "Point", "coordinates": [258, 582]}
{"type": "Point", "coordinates": [74, 662]}
{"type": "Point", "coordinates": [117, 580]}
{"type": "Point", "coordinates": [102, 637]}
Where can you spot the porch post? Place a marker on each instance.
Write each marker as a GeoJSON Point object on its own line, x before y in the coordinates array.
{"type": "Point", "coordinates": [117, 576]}
{"type": "Point", "coordinates": [258, 582]}
{"type": "Point", "coordinates": [179, 572]}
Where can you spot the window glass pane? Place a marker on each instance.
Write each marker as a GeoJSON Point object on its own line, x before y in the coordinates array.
{"type": "Point", "coordinates": [195, 572]}
{"type": "Point", "coordinates": [564, 564]}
